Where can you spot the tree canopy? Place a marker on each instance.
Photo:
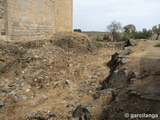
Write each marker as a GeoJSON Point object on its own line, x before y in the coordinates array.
{"type": "Point", "coordinates": [114, 27]}
{"type": "Point", "coordinates": [156, 29]}
{"type": "Point", "coordinates": [130, 32]}
{"type": "Point", "coordinates": [130, 28]}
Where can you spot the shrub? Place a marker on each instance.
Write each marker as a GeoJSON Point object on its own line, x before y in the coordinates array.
{"type": "Point", "coordinates": [89, 35]}
{"type": "Point", "coordinates": [145, 34]}
{"type": "Point", "coordinates": [123, 38]}
{"type": "Point", "coordinates": [107, 38]}
{"type": "Point", "coordinates": [98, 39]}
{"type": "Point", "coordinates": [77, 30]}
{"type": "Point", "coordinates": [139, 35]}
{"type": "Point", "coordinates": [98, 45]}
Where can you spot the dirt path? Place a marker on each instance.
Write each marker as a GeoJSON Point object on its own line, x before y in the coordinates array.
{"type": "Point", "coordinates": [145, 48]}
{"type": "Point", "coordinates": [140, 91]}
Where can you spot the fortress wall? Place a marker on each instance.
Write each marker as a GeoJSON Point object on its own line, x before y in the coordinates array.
{"type": "Point", "coordinates": [63, 15]}
{"type": "Point", "coordinates": [35, 19]}
{"type": "Point", "coordinates": [2, 20]}
{"type": "Point", "coordinates": [30, 19]}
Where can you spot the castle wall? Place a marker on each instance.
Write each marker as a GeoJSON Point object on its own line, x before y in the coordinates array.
{"type": "Point", "coordinates": [63, 15]}
{"type": "Point", "coordinates": [34, 19]}
{"type": "Point", "coordinates": [2, 18]}
{"type": "Point", "coordinates": [30, 19]}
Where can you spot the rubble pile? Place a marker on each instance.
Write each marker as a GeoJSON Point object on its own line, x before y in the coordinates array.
{"type": "Point", "coordinates": [132, 85]}
{"type": "Point", "coordinates": [63, 78]}
{"type": "Point", "coordinates": [39, 75]}
{"type": "Point", "coordinates": [75, 42]}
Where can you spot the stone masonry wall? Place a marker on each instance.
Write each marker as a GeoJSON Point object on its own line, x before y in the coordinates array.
{"type": "Point", "coordinates": [30, 19]}
{"type": "Point", "coordinates": [2, 20]}
{"type": "Point", "coordinates": [63, 15]}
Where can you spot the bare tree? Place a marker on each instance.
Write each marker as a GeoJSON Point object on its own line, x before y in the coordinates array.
{"type": "Point", "coordinates": [114, 28]}
{"type": "Point", "coordinates": [156, 29]}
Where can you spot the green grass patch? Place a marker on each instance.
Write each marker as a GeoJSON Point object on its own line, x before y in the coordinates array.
{"type": "Point", "coordinates": [98, 45]}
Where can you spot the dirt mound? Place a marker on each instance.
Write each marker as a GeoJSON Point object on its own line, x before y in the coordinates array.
{"type": "Point", "coordinates": [46, 80]}
{"type": "Point", "coordinates": [72, 41]}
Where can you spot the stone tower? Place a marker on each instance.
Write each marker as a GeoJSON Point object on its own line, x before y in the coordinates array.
{"type": "Point", "coordinates": [63, 15]}
{"type": "Point", "coordinates": [34, 19]}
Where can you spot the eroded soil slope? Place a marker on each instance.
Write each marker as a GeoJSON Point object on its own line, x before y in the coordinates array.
{"type": "Point", "coordinates": [47, 80]}
{"type": "Point", "coordinates": [135, 80]}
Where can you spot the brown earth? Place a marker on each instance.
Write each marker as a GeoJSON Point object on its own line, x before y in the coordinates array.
{"type": "Point", "coordinates": [38, 76]}
{"type": "Point", "coordinates": [137, 89]}
{"type": "Point", "coordinates": [48, 79]}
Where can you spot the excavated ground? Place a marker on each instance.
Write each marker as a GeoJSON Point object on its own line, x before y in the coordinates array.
{"type": "Point", "coordinates": [46, 79]}
{"type": "Point", "coordinates": [135, 81]}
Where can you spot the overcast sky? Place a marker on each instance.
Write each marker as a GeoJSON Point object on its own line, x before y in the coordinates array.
{"type": "Point", "coordinates": [95, 15]}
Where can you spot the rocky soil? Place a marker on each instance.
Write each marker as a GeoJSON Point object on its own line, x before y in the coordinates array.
{"type": "Point", "coordinates": [67, 78]}
{"type": "Point", "coordinates": [133, 85]}
{"type": "Point", "coordinates": [135, 79]}
{"type": "Point", "coordinates": [48, 79]}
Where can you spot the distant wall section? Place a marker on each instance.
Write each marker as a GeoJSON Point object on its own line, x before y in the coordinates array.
{"type": "Point", "coordinates": [30, 19]}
